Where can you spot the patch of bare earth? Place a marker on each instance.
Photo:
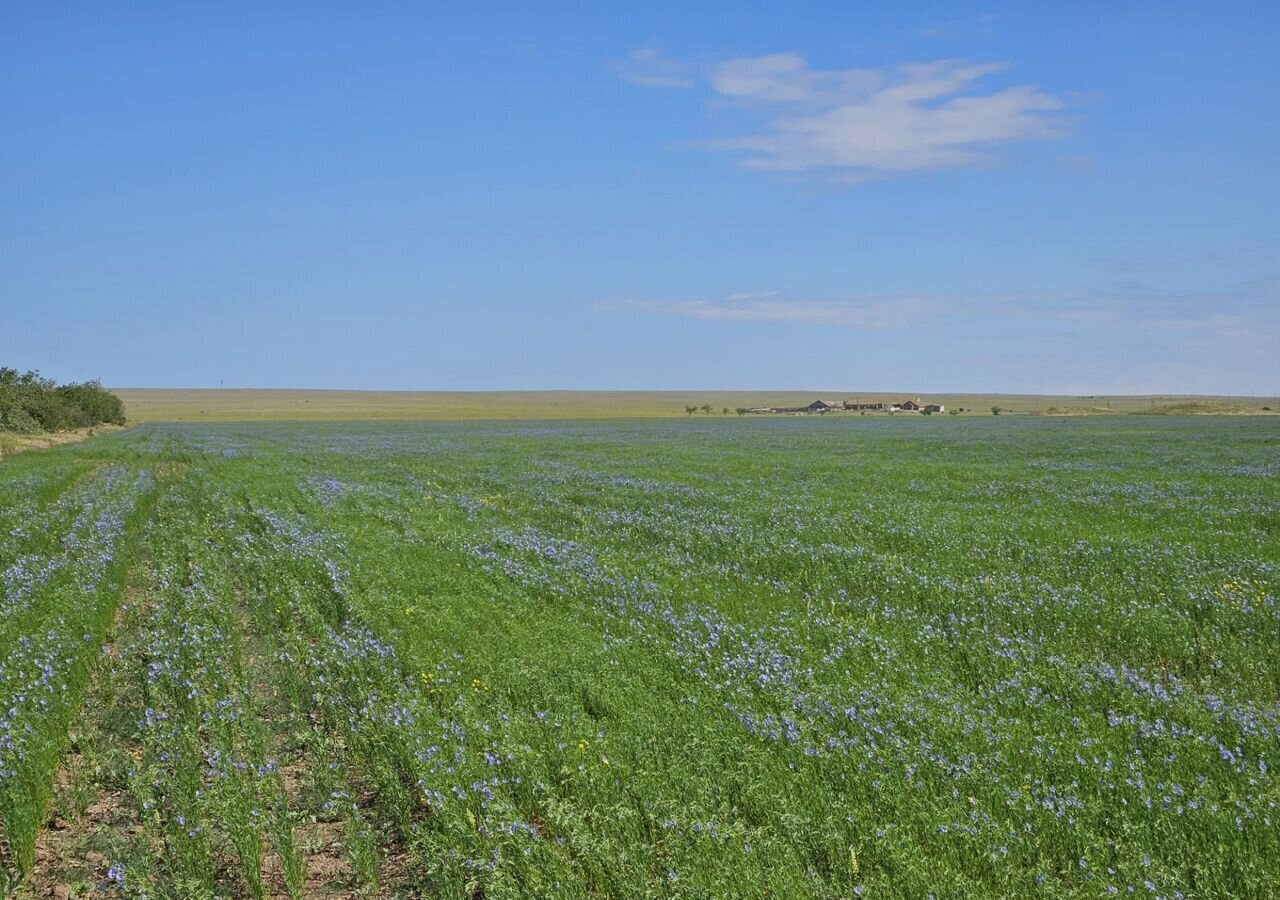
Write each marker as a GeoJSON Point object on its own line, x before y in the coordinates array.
{"type": "Point", "coordinates": [93, 823]}
{"type": "Point", "coordinates": [321, 842]}
{"type": "Point", "coordinates": [328, 873]}
{"type": "Point", "coordinates": [17, 443]}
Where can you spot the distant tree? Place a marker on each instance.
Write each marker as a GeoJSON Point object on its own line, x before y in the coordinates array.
{"type": "Point", "coordinates": [741, 410]}
{"type": "Point", "coordinates": [926, 412]}
{"type": "Point", "coordinates": [690, 410]}
{"type": "Point", "coordinates": [953, 411]}
{"type": "Point", "coordinates": [725, 411]}
{"type": "Point", "coordinates": [995, 410]}
{"type": "Point", "coordinates": [707, 408]}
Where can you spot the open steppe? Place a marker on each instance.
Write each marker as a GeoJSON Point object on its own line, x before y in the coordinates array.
{"type": "Point", "coordinates": [234, 404]}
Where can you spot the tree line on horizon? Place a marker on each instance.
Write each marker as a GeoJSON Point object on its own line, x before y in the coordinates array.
{"type": "Point", "coordinates": [31, 403]}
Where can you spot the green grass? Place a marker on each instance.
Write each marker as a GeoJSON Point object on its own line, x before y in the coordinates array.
{"type": "Point", "coordinates": [708, 657]}
{"type": "Point", "coordinates": [229, 405]}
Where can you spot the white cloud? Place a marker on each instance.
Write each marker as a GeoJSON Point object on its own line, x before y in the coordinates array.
{"type": "Point", "coordinates": [916, 117]}
{"type": "Point", "coordinates": [787, 78]}
{"type": "Point", "coordinates": [853, 125]}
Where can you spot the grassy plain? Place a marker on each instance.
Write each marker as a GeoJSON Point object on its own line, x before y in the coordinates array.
{"type": "Point", "coordinates": [889, 658]}
{"type": "Point", "coordinates": [229, 405]}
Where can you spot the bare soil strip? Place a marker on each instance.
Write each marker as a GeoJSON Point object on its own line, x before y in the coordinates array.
{"type": "Point", "coordinates": [324, 843]}
{"type": "Point", "coordinates": [93, 821]}
{"type": "Point", "coordinates": [11, 444]}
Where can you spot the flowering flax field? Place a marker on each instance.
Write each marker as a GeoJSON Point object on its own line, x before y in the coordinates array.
{"type": "Point", "coordinates": [699, 658]}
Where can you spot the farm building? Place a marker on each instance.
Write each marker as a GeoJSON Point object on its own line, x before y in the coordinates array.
{"type": "Point", "coordinates": [855, 404]}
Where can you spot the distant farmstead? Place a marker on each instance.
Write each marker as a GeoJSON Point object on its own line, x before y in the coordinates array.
{"type": "Point", "coordinates": [820, 406]}
{"type": "Point", "coordinates": [853, 404]}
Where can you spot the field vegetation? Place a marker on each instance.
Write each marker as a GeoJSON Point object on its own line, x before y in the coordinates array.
{"type": "Point", "coordinates": [711, 657]}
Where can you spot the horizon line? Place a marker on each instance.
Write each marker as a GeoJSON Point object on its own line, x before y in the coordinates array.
{"type": "Point", "coordinates": [710, 390]}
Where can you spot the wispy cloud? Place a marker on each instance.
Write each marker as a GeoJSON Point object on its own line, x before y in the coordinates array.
{"type": "Point", "coordinates": [874, 313]}
{"type": "Point", "coordinates": [950, 29]}
{"type": "Point", "coordinates": [857, 124]}
{"type": "Point", "coordinates": [1247, 311]}
{"type": "Point", "coordinates": [1096, 339]}
{"type": "Point", "coordinates": [650, 68]}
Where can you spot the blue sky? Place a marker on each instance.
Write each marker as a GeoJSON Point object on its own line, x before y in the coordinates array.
{"type": "Point", "coordinates": [669, 195]}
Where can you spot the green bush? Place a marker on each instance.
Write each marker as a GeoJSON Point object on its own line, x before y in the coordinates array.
{"type": "Point", "coordinates": [95, 401]}
{"type": "Point", "coordinates": [30, 402]}
{"type": "Point", "coordinates": [14, 416]}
